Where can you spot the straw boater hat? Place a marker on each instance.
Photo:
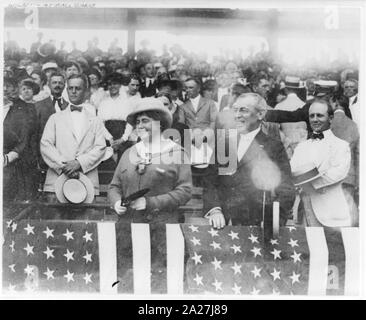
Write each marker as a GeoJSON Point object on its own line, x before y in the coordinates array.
{"type": "Point", "coordinates": [151, 104]}
{"type": "Point", "coordinates": [293, 82]}
{"type": "Point", "coordinates": [304, 174]}
{"type": "Point", "coordinates": [75, 191]}
{"type": "Point", "coordinates": [49, 65]}
{"type": "Point", "coordinates": [324, 87]}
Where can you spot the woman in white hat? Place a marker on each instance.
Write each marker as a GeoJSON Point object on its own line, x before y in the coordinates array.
{"type": "Point", "coordinates": [156, 163]}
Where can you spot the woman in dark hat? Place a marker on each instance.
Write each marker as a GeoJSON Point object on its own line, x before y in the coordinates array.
{"type": "Point", "coordinates": [28, 89]}
{"type": "Point", "coordinates": [156, 163]}
{"type": "Point", "coordinates": [17, 150]}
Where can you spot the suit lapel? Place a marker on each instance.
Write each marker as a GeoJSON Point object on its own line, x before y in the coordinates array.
{"type": "Point", "coordinates": [64, 104]}
{"type": "Point", "coordinates": [190, 106]}
{"type": "Point", "coordinates": [86, 125]}
{"type": "Point", "coordinates": [201, 103]}
{"type": "Point", "coordinates": [253, 149]}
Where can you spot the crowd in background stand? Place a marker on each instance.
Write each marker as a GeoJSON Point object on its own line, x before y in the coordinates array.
{"type": "Point", "coordinates": [184, 81]}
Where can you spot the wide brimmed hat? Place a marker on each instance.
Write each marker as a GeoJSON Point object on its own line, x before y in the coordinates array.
{"type": "Point", "coordinates": [293, 82]}
{"type": "Point", "coordinates": [305, 174]}
{"type": "Point", "coordinates": [151, 104]}
{"type": "Point", "coordinates": [70, 190]}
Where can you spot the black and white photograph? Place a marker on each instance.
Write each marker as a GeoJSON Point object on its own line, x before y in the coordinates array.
{"type": "Point", "coordinates": [186, 150]}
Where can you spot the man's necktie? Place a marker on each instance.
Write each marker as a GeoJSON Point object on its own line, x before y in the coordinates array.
{"type": "Point", "coordinates": [316, 135]}
{"type": "Point", "coordinates": [58, 102]}
{"type": "Point", "coordinates": [75, 108]}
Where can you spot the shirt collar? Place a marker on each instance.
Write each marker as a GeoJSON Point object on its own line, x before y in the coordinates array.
{"type": "Point", "coordinates": [251, 134]}
{"type": "Point", "coordinates": [196, 99]}
{"type": "Point", "coordinates": [327, 133]}
{"type": "Point", "coordinates": [352, 99]}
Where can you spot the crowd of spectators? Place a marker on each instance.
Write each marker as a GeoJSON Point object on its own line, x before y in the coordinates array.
{"type": "Point", "coordinates": [37, 79]}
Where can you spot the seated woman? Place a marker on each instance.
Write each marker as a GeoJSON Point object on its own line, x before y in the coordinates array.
{"type": "Point", "coordinates": [155, 163]}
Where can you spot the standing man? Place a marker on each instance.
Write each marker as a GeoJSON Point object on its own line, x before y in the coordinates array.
{"type": "Point", "coordinates": [52, 104]}
{"type": "Point", "coordinates": [319, 166]}
{"type": "Point", "coordinates": [351, 93]}
{"type": "Point", "coordinates": [73, 139]}
{"type": "Point", "coordinates": [148, 88]}
{"type": "Point", "coordinates": [199, 113]}
{"type": "Point", "coordinates": [261, 167]}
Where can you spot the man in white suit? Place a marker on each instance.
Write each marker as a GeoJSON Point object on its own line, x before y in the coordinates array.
{"type": "Point", "coordinates": [73, 139]}
{"type": "Point", "coordinates": [324, 200]}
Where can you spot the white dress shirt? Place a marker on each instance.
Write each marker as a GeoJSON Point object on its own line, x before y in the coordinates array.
{"type": "Point", "coordinates": [78, 121]}
{"type": "Point", "coordinates": [57, 108]}
{"type": "Point", "coordinates": [220, 93]}
{"type": "Point", "coordinates": [245, 141]}
{"type": "Point", "coordinates": [195, 101]}
{"type": "Point", "coordinates": [354, 107]}
{"type": "Point", "coordinates": [149, 81]}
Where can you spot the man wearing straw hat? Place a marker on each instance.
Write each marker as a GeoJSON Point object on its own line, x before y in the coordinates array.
{"type": "Point", "coordinates": [260, 175]}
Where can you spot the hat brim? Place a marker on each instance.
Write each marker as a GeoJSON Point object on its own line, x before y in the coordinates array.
{"type": "Point", "coordinates": [166, 116]}
{"type": "Point", "coordinates": [294, 87]}
{"type": "Point", "coordinates": [59, 184]}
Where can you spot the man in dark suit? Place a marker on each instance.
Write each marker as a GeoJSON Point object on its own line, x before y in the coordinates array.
{"type": "Point", "coordinates": [148, 87]}
{"type": "Point", "coordinates": [53, 103]}
{"type": "Point", "coordinates": [45, 108]}
{"type": "Point", "coordinates": [258, 171]}
{"type": "Point", "coordinates": [199, 113]}
{"type": "Point", "coordinates": [350, 88]}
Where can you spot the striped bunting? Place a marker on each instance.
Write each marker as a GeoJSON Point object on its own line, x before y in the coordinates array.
{"type": "Point", "coordinates": [143, 259]}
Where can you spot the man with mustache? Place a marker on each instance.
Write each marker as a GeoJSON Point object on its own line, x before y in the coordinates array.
{"type": "Point", "coordinates": [52, 104]}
